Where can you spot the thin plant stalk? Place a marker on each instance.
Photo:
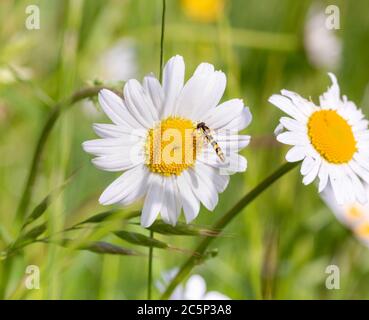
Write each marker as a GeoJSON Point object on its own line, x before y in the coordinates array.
{"type": "Point", "coordinates": [41, 142]}
{"type": "Point", "coordinates": [224, 221]}
{"type": "Point", "coordinates": [151, 249]}
{"type": "Point", "coordinates": [36, 159]}
{"type": "Point", "coordinates": [149, 274]}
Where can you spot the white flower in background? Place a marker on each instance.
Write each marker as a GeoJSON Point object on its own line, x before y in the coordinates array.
{"type": "Point", "coordinates": [117, 63]}
{"type": "Point", "coordinates": [155, 141]}
{"type": "Point", "coordinates": [194, 289]}
{"type": "Point", "coordinates": [322, 45]}
{"type": "Point", "coordinates": [353, 215]}
{"type": "Point", "coordinates": [332, 140]}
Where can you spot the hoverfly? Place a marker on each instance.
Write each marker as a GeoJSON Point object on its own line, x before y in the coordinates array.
{"type": "Point", "coordinates": [210, 139]}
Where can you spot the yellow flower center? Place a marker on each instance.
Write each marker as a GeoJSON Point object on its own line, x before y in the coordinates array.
{"type": "Point", "coordinates": [331, 136]}
{"type": "Point", "coordinates": [203, 10]}
{"type": "Point", "coordinates": [171, 146]}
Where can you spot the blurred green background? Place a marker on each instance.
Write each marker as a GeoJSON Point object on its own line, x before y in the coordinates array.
{"type": "Point", "coordinates": [280, 246]}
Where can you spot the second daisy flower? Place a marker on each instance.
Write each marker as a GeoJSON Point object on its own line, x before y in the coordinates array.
{"type": "Point", "coordinates": [332, 140]}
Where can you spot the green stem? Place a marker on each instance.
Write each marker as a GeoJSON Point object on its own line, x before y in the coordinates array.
{"type": "Point", "coordinates": [41, 142]}
{"type": "Point", "coordinates": [4, 277]}
{"type": "Point", "coordinates": [151, 249]}
{"type": "Point", "coordinates": [149, 276]}
{"type": "Point", "coordinates": [223, 222]}
{"type": "Point", "coordinates": [162, 41]}
{"type": "Point", "coordinates": [36, 159]}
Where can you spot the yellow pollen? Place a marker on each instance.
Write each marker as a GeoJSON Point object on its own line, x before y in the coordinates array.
{"type": "Point", "coordinates": [331, 136]}
{"type": "Point", "coordinates": [171, 146]}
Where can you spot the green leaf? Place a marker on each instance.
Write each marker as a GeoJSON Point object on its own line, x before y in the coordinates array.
{"type": "Point", "coordinates": [101, 247]}
{"type": "Point", "coordinates": [182, 229]}
{"type": "Point", "coordinates": [39, 210]}
{"type": "Point", "coordinates": [102, 216]}
{"type": "Point", "coordinates": [29, 236]}
{"type": "Point", "coordinates": [140, 239]}
{"type": "Point", "coordinates": [108, 248]}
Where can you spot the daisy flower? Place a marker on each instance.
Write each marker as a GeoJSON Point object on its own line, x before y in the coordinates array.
{"type": "Point", "coordinates": [193, 289]}
{"type": "Point", "coordinates": [154, 139]}
{"type": "Point", "coordinates": [323, 46]}
{"type": "Point", "coordinates": [353, 215]}
{"type": "Point", "coordinates": [332, 140]}
{"type": "Point", "coordinates": [203, 10]}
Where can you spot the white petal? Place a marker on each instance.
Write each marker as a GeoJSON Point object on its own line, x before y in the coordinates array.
{"type": "Point", "coordinates": [139, 104]}
{"type": "Point", "coordinates": [191, 205]}
{"type": "Point", "coordinates": [220, 181]}
{"type": "Point", "coordinates": [307, 165]}
{"type": "Point", "coordinates": [171, 207]}
{"type": "Point", "coordinates": [292, 125]}
{"type": "Point", "coordinates": [239, 123]}
{"type": "Point", "coordinates": [104, 130]}
{"type": "Point", "coordinates": [153, 200]}
{"type": "Point", "coordinates": [296, 153]}
{"type": "Point", "coordinates": [360, 193]}
{"type": "Point", "coordinates": [323, 177]}
{"type": "Point", "coordinates": [348, 193]}
{"type": "Point", "coordinates": [123, 186]}
{"type": "Point", "coordinates": [293, 138]}
{"type": "Point", "coordinates": [224, 113]}
{"type": "Point", "coordinates": [334, 182]}
{"type": "Point", "coordinates": [232, 143]}
{"type": "Point", "coordinates": [359, 170]}
{"type": "Point", "coordinates": [115, 108]}
{"type": "Point", "coordinates": [139, 189]}
{"type": "Point", "coordinates": [288, 107]}
{"type": "Point", "coordinates": [173, 79]}
{"type": "Point", "coordinates": [279, 129]}
{"type": "Point", "coordinates": [101, 147]}
{"type": "Point", "coordinates": [233, 162]}
{"type": "Point", "coordinates": [331, 98]}
{"type": "Point", "coordinates": [212, 94]}
{"type": "Point", "coordinates": [214, 295]}
{"type": "Point", "coordinates": [195, 288]}
{"type": "Point", "coordinates": [310, 176]}
{"type": "Point", "coordinates": [362, 160]}
{"type": "Point", "coordinates": [154, 91]}
{"type": "Point", "coordinates": [303, 105]}
{"type": "Point", "coordinates": [203, 188]}
{"type": "Point", "coordinates": [204, 69]}
{"type": "Point", "coordinates": [200, 94]}
{"type": "Point", "coordinates": [118, 162]}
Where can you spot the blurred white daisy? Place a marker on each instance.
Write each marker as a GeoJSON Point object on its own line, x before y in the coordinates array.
{"type": "Point", "coordinates": [354, 215]}
{"type": "Point", "coordinates": [322, 45]}
{"type": "Point", "coordinates": [194, 289]}
{"type": "Point", "coordinates": [155, 140]}
{"type": "Point", "coordinates": [117, 63]}
{"type": "Point", "coordinates": [332, 140]}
